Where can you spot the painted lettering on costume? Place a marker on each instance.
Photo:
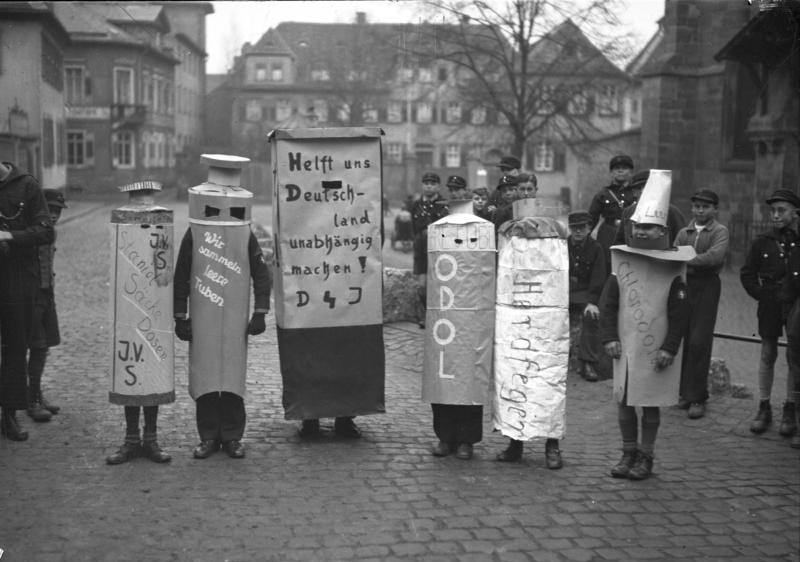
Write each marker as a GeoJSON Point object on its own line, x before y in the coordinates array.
{"type": "Point", "coordinates": [642, 320]}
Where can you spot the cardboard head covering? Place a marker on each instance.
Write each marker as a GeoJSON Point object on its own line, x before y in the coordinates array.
{"type": "Point", "coordinates": [653, 208]}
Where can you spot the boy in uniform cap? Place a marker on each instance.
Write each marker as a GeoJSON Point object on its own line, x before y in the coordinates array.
{"type": "Point", "coordinates": [587, 274]}
{"type": "Point", "coordinates": [509, 166]}
{"type": "Point", "coordinates": [790, 302]}
{"type": "Point", "coordinates": [429, 208]}
{"type": "Point", "coordinates": [643, 312]}
{"type": "Point", "coordinates": [610, 201]}
{"type": "Point", "coordinates": [508, 193]}
{"type": "Point", "coordinates": [44, 329]}
{"type": "Point", "coordinates": [710, 240]}
{"type": "Point", "coordinates": [460, 197]}
{"type": "Point", "coordinates": [763, 276]}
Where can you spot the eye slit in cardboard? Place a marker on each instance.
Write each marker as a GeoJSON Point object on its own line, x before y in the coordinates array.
{"type": "Point", "coordinates": [238, 212]}
{"type": "Point", "coordinates": [211, 211]}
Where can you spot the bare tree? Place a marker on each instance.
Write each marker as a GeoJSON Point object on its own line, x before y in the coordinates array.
{"type": "Point", "coordinates": [529, 60]}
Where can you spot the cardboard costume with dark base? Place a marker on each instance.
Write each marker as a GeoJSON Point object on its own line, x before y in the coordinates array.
{"type": "Point", "coordinates": [327, 219]}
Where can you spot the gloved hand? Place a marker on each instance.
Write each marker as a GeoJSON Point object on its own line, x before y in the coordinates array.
{"type": "Point", "coordinates": [257, 324]}
{"type": "Point", "coordinates": [183, 329]}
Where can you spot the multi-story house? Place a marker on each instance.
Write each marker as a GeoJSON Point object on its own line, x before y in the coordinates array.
{"type": "Point", "coordinates": [32, 119]}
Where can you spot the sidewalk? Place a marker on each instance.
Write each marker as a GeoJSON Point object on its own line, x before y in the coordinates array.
{"type": "Point", "coordinates": [718, 493]}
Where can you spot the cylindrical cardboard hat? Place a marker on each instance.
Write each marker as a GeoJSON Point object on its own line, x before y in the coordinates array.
{"type": "Point", "coordinates": [142, 362]}
{"type": "Point", "coordinates": [460, 311]}
{"type": "Point", "coordinates": [653, 204]}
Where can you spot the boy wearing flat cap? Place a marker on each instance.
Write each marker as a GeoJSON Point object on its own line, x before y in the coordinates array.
{"type": "Point", "coordinates": [44, 328]}
{"type": "Point", "coordinates": [587, 274]}
{"type": "Point", "coordinates": [764, 276]}
{"type": "Point", "coordinates": [430, 207]}
{"type": "Point", "coordinates": [508, 193]}
{"type": "Point", "coordinates": [710, 240]}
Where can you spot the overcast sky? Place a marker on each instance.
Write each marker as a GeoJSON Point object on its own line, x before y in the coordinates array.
{"type": "Point", "coordinates": [233, 22]}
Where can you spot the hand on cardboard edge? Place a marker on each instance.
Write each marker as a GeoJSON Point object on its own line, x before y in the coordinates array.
{"type": "Point", "coordinates": [183, 329]}
{"type": "Point", "coordinates": [257, 324]}
{"type": "Point", "coordinates": [613, 349]}
{"type": "Point", "coordinates": [591, 311]}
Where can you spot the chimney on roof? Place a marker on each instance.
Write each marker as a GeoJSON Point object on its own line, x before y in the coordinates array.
{"type": "Point", "coordinates": [361, 18]}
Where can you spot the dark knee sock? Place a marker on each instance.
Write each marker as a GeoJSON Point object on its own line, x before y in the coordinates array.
{"type": "Point", "coordinates": [628, 427]}
{"type": "Point", "coordinates": [150, 421]}
{"type": "Point", "coordinates": [36, 362]}
{"type": "Point", "coordinates": [651, 419]}
{"type": "Point", "coordinates": [131, 424]}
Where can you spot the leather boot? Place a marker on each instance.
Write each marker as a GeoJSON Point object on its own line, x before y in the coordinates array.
{"type": "Point", "coordinates": [788, 426]}
{"type": "Point", "coordinates": [130, 449]}
{"type": "Point", "coordinates": [36, 411]}
{"type": "Point", "coordinates": [623, 467]}
{"type": "Point", "coordinates": [512, 453]}
{"type": "Point", "coordinates": [152, 451]}
{"type": "Point", "coordinates": [763, 417]}
{"type": "Point", "coordinates": [9, 426]}
{"type": "Point", "coordinates": [52, 408]}
{"type": "Point", "coordinates": [643, 467]}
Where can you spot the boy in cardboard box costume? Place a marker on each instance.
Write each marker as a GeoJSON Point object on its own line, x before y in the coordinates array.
{"type": "Point", "coordinates": [643, 315]}
{"type": "Point", "coordinates": [218, 256]}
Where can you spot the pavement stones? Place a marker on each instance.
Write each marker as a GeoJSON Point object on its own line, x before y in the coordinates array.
{"type": "Point", "coordinates": [718, 492]}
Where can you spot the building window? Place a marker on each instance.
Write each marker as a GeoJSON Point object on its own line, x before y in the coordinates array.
{"type": "Point", "coordinates": [74, 84]}
{"type": "Point", "coordinates": [169, 98]}
{"type": "Point", "coordinates": [320, 75]}
{"type": "Point", "coordinates": [147, 88]}
{"type": "Point", "coordinates": [544, 157]}
{"type": "Point", "coordinates": [277, 72]}
{"type": "Point", "coordinates": [578, 104]}
{"type": "Point", "coordinates": [321, 110]}
{"type": "Point", "coordinates": [452, 156]}
{"type": "Point", "coordinates": [478, 116]}
{"type": "Point", "coordinates": [261, 72]}
{"type": "Point", "coordinates": [370, 115]}
{"type": "Point", "coordinates": [394, 152]}
{"type": "Point", "coordinates": [343, 113]}
{"type": "Point", "coordinates": [453, 112]}
{"type": "Point", "coordinates": [425, 75]}
{"type": "Point", "coordinates": [741, 101]}
{"type": "Point", "coordinates": [424, 154]}
{"type": "Point", "coordinates": [283, 110]}
{"type": "Point", "coordinates": [122, 149]}
{"type": "Point", "coordinates": [608, 100]}
{"type": "Point", "coordinates": [424, 112]}
{"type": "Point", "coordinates": [48, 142]}
{"type": "Point", "coordinates": [52, 64]}
{"type": "Point", "coordinates": [546, 105]}
{"type": "Point", "coordinates": [253, 110]}
{"type": "Point", "coordinates": [80, 148]}
{"type": "Point", "coordinates": [123, 86]}
{"type": "Point", "coordinates": [394, 112]}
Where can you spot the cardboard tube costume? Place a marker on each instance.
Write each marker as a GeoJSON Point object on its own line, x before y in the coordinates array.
{"type": "Point", "coordinates": [142, 364]}
{"type": "Point", "coordinates": [531, 353]}
{"type": "Point", "coordinates": [327, 216]}
{"type": "Point", "coordinates": [457, 364]}
{"type": "Point", "coordinates": [644, 276]}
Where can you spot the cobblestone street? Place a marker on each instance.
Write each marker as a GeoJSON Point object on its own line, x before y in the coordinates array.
{"type": "Point", "coordinates": [718, 492]}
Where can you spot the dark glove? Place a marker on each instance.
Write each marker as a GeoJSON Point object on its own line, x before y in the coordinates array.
{"type": "Point", "coordinates": [183, 329]}
{"type": "Point", "coordinates": [257, 324]}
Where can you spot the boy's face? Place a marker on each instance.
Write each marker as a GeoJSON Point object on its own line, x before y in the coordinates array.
{"type": "Point", "coordinates": [55, 213]}
{"type": "Point", "coordinates": [509, 193]}
{"type": "Point", "coordinates": [783, 214]}
{"type": "Point", "coordinates": [644, 231]}
{"type": "Point", "coordinates": [430, 188]}
{"type": "Point", "coordinates": [527, 190]}
{"type": "Point", "coordinates": [479, 201]}
{"type": "Point", "coordinates": [620, 174]}
{"type": "Point", "coordinates": [703, 211]}
{"type": "Point", "coordinates": [461, 193]}
{"type": "Point", "coordinates": [579, 232]}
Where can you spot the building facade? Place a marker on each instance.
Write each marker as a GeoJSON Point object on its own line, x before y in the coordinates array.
{"type": "Point", "coordinates": [32, 115]}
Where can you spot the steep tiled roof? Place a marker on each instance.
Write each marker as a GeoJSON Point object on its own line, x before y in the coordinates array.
{"type": "Point", "coordinates": [566, 51]}
{"type": "Point", "coordinates": [83, 23]}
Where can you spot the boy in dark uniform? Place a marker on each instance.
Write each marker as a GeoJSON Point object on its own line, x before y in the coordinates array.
{"type": "Point", "coordinates": [587, 274]}
{"type": "Point", "coordinates": [429, 208]}
{"type": "Point", "coordinates": [44, 331]}
{"type": "Point", "coordinates": [24, 225]}
{"type": "Point", "coordinates": [508, 193]}
{"type": "Point", "coordinates": [761, 275]}
{"type": "Point", "coordinates": [610, 201]}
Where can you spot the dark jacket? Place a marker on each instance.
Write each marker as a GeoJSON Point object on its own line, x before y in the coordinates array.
{"type": "Point", "coordinates": [762, 276]}
{"type": "Point", "coordinates": [259, 272]}
{"type": "Point", "coordinates": [609, 203]}
{"type": "Point", "coordinates": [425, 212]}
{"type": "Point", "coordinates": [587, 271]}
{"type": "Point", "coordinates": [677, 313]}
{"type": "Point", "coordinates": [23, 213]}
